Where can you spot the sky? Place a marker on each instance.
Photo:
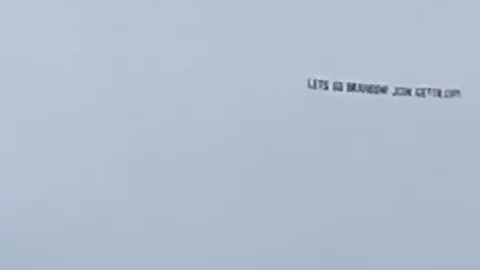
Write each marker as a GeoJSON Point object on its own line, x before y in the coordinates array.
{"type": "Point", "coordinates": [181, 135]}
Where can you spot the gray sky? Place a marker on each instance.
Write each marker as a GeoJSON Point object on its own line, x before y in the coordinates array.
{"type": "Point", "coordinates": [181, 135]}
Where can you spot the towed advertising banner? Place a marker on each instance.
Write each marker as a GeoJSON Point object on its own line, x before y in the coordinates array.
{"type": "Point", "coordinates": [382, 89]}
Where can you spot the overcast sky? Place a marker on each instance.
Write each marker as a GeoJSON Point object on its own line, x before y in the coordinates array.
{"type": "Point", "coordinates": [181, 135]}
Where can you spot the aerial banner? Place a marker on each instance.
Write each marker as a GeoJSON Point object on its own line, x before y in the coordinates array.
{"type": "Point", "coordinates": [382, 89]}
